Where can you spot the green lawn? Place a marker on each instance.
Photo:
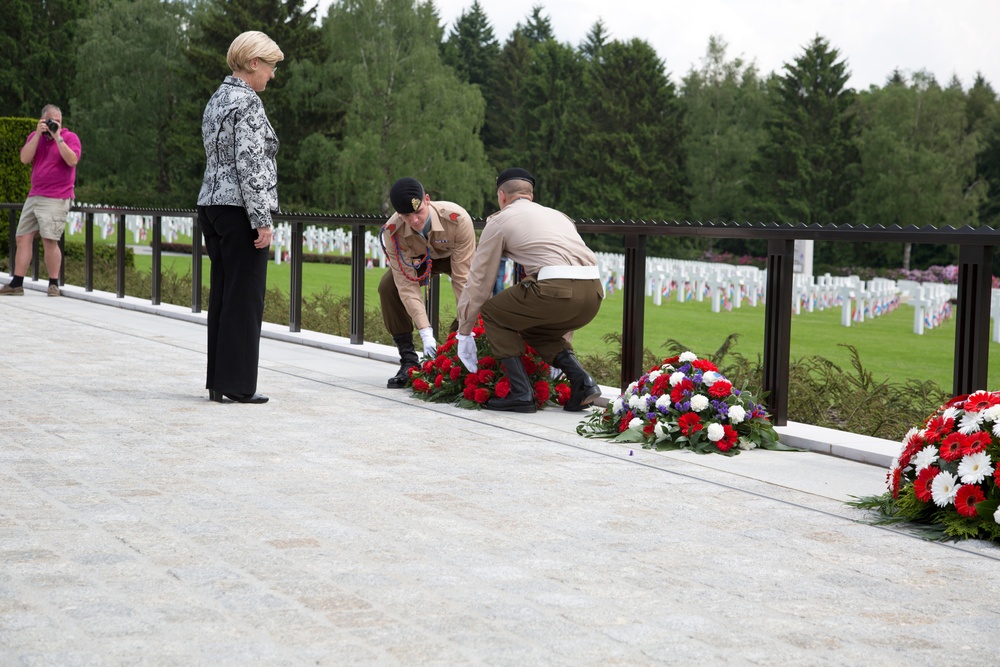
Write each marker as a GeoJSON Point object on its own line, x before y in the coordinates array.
{"type": "Point", "coordinates": [887, 345]}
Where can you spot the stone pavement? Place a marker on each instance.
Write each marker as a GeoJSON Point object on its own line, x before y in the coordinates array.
{"type": "Point", "coordinates": [344, 523]}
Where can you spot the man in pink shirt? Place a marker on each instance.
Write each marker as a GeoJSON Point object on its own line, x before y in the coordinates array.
{"type": "Point", "coordinates": [53, 154]}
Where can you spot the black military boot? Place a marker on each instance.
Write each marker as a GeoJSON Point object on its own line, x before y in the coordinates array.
{"type": "Point", "coordinates": [583, 389]}
{"type": "Point", "coordinates": [407, 360]}
{"type": "Point", "coordinates": [522, 395]}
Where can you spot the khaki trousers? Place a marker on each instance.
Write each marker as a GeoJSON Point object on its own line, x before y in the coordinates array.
{"type": "Point", "coordinates": [539, 313]}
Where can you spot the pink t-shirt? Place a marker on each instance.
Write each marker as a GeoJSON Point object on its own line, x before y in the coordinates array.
{"type": "Point", "coordinates": [50, 175]}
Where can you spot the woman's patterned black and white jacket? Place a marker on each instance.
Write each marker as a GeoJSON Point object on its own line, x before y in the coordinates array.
{"type": "Point", "coordinates": [240, 146]}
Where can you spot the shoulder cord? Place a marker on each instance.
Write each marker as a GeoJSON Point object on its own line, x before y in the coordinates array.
{"type": "Point", "coordinates": [422, 278]}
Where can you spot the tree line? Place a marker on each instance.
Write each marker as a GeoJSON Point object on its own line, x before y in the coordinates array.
{"type": "Point", "coordinates": [378, 89]}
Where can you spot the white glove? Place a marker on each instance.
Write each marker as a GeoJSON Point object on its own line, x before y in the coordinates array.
{"type": "Point", "coordinates": [554, 372]}
{"type": "Point", "coordinates": [430, 345]}
{"type": "Point", "coordinates": [467, 352]}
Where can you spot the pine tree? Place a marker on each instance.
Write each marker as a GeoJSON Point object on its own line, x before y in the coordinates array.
{"type": "Point", "coordinates": [806, 169]}
{"type": "Point", "coordinates": [472, 49]}
{"type": "Point", "coordinates": [505, 133]}
{"type": "Point", "coordinates": [593, 46]}
{"type": "Point", "coordinates": [984, 117]}
{"type": "Point", "coordinates": [538, 28]}
{"type": "Point", "coordinates": [632, 162]}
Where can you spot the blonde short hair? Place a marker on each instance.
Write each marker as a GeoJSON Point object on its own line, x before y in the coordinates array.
{"type": "Point", "coordinates": [252, 44]}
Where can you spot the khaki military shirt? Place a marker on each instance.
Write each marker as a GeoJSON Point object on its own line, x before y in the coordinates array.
{"type": "Point", "coordinates": [451, 235]}
{"type": "Point", "coordinates": [531, 235]}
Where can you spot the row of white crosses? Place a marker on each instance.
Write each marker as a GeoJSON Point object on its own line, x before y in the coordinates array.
{"type": "Point", "coordinates": [857, 299]}
{"type": "Point", "coordinates": [140, 225]}
{"type": "Point", "coordinates": [932, 303]}
{"type": "Point", "coordinates": [321, 240]}
{"type": "Point", "coordinates": [725, 285]}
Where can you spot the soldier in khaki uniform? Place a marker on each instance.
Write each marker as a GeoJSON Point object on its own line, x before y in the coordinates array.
{"type": "Point", "coordinates": [561, 292]}
{"type": "Point", "coordinates": [423, 239]}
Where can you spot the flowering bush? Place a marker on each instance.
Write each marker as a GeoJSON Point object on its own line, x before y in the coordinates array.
{"type": "Point", "coordinates": [945, 475]}
{"type": "Point", "coordinates": [685, 403]}
{"type": "Point", "coordinates": [445, 379]}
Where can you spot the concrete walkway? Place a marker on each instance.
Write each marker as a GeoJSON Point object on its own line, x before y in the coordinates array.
{"type": "Point", "coordinates": [344, 523]}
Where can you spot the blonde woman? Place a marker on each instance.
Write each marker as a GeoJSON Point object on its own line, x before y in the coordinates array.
{"type": "Point", "coordinates": [237, 198]}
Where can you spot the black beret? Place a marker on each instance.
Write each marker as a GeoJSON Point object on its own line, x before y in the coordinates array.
{"type": "Point", "coordinates": [515, 173]}
{"type": "Point", "coordinates": [406, 194]}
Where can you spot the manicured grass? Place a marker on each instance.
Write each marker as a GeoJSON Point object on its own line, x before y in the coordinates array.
{"type": "Point", "coordinates": [888, 348]}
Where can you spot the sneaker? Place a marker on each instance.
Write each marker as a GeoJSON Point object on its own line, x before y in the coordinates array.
{"type": "Point", "coordinates": [54, 290]}
{"type": "Point", "coordinates": [7, 290]}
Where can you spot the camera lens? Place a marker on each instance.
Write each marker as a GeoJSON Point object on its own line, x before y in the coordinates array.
{"type": "Point", "coordinates": [52, 125]}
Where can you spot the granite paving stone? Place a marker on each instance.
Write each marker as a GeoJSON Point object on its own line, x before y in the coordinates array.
{"type": "Point", "coordinates": [344, 523]}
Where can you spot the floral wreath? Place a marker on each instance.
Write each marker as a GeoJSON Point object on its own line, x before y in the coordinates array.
{"type": "Point", "coordinates": [685, 403]}
{"type": "Point", "coordinates": [444, 379]}
{"type": "Point", "coordinates": [946, 475]}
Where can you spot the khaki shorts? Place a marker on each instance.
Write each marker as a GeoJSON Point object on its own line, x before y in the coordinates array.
{"type": "Point", "coordinates": [44, 215]}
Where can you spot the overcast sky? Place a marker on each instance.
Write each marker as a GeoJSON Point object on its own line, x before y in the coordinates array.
{"type": "Point", "coordinates": [944, 37]}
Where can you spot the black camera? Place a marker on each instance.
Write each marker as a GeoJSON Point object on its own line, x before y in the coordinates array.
{"type": "Point", "coordinates": [52, 125]}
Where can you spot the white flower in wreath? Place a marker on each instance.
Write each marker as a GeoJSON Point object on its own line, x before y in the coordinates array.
{"type": "Point", "coordinates": [699, 402]}
{"type": "Point", "coordinates": [636, 400]}
{"type": "Point", "coordinates": [925, 457]}
{"type": "Point", "coordinates": [629, 390]}
{"type": "Point", "coordinates": [688, 357]}
{"type": "Point", "coordinates": [737, 413]}
{"type": "Point", "coordinates": [943, 489]}
{"type": "Point", "coordinates": [991, 414]}
{"type": "Point", "coordinates": [618, 405]}
{"type": "Point", "coordinates": [746, 443]}
{"type": "Point", "coordinates": [661, 430]}
{"type": "Point", "coordinates": [950, 413]}
{"type": "Point", "coordinates": [635, 424]}
{"type": "Point", "coordinates": [709, 378]}
{"type": "Point", "coordinates": [654, 375]}
{"type": "Point", "coordinates": [996, 515]}
{"type": "Point", "coordinates": [663, 402]}
{"type": "Point", "coordinates": [974, 468]}
{"type": "Point", "coordinates": [716, 432]}
{"type": "Point", "coordinates": [676, 378]}
{"type": "Point", "coordinates": [970, 422]}
{"type": "Point", "coordinates": [996, 429]}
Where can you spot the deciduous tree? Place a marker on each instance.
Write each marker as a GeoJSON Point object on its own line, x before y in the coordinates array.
{"type": "Point", "coordinates": [404, 112]}
{"type": "Point", "coordinates": [130, 85]}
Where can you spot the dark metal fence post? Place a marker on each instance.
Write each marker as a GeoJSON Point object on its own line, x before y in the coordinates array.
{"type": "Point", "coordinates": [633, 308]}
{"type": "Point", "coordinates": [433, 304]}
{"type": "Point", "coordinates": [972, 324]}
{"type": "Point", "coordinates": [357, 284]}
{"type": "Point", "coordinates": [88, 253]}
{"type": "Point", "coordinates": [778, 327]}
{"type": "Point", "coordinates": [157, 259]}
{"type": "Point", "coordinates": [295, 289]}
{"type": "Point", "coordinates": [120, 275]}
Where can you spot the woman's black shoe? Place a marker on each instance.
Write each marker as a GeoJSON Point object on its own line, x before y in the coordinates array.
{"type": "Point", "coordinates": [214, 395]}
{"type": "Point", "coordinates": [247, 398]}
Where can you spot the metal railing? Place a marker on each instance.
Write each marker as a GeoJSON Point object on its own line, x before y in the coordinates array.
{"type": "Point", "coordinates": [974, 279]}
